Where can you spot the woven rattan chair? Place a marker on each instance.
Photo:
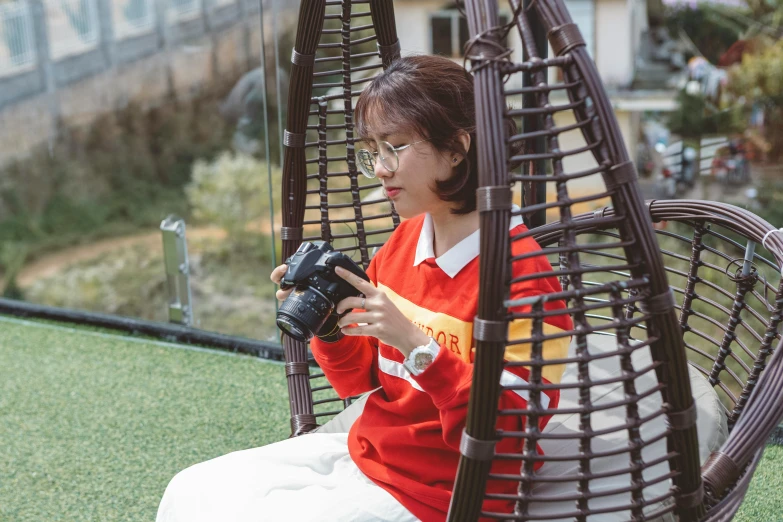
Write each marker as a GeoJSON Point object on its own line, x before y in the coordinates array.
{"type": "Point", "coordinates": [613, 273]}
{"type": "Point", "coordinates": [729, 301]}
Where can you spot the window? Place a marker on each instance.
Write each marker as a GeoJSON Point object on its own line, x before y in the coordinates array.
{"type": "Point", "coordinates": [17, 42]}
{"type": "Point", "coordinates": [449, 31]}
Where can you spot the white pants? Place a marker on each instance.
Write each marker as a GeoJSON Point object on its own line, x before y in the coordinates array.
{"type": "Point", "coordinates": [307, 478]}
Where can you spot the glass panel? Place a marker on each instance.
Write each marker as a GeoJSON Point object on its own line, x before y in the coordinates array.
{"type": "Point", "coordinates": [96, 153]}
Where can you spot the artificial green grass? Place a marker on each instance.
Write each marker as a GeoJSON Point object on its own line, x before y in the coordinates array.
{"type": "Point", "coordinates": [93, 426]}
{"type": "Point", "coordinates": [764, 500]}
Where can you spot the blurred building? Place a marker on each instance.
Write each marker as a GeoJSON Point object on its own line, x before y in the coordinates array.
{"type": "Point", "coordinates": [67, 61]}
{"type": "Point", "coordinates": [637, 72]}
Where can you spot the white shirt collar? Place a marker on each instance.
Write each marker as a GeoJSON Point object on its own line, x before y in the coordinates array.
{"type": "Point", "coordinates": [458, 256]}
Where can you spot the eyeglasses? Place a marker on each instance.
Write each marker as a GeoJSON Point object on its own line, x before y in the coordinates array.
{"type": "Point", "coordinates": [387, 154]}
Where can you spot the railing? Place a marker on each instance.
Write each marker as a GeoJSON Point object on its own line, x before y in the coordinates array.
{"type": "Point", "coordinates": [182, 10]}
{"type": "Point", "coordinates": [216, 4]}
{"type": "Point", "coordinates": [133, 17]}
{"type": "Point", "coordinates": [17, 38]}
{"type": "Point", "coordinates": [709, 147]}
{"type": "Point", "coordinates": [73, 26]}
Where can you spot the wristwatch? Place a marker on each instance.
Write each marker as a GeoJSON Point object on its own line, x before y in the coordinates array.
{"type": "Point", "coordinates": [421, 357]}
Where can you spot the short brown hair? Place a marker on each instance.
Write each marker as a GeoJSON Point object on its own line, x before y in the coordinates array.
{"type": "Point", "coordinates": [432, 96]}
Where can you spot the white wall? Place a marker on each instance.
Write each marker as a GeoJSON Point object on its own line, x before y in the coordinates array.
{"type": "Point", "coordinates": [614, 55]}
{"type": "Point", "coordinates": [413, 25]}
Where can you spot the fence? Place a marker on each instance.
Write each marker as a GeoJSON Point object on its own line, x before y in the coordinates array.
{"type": "Point", "coordinates": [17, 38]}
{"type": "Point", "coordinates": [72, 26]}
{"type": "Point", "coordinates": [133, 17]}
{"type": "Point", "coordinates": [46, 45]}
{"type": "Point", "coordinates": [182, 10]}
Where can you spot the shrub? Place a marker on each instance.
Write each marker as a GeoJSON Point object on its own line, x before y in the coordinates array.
{"type": "Point", "coordinates": [232, 192]}
{"type": "Point", "coordinates": [124, 171]}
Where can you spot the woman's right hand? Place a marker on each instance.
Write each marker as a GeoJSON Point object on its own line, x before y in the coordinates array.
{"type": "Point", "coordinates": [276, 277]}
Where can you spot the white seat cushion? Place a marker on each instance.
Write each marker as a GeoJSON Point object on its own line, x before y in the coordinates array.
{"type": "Point", "coordinates": [711, 425]}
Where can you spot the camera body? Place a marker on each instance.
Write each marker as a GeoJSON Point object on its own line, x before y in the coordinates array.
{"type": "Point", "coordinates": [317, 288]}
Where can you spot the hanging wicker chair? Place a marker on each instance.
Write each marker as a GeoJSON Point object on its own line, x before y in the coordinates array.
{"type": "Point", "coordinates": [612, 271]}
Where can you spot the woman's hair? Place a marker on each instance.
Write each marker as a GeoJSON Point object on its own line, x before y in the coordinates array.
{"type": "Point", "coordinates": [433, 97]}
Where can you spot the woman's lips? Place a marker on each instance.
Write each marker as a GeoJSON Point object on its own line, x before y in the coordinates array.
{"type": "Point", "coordinates": [392, 192]}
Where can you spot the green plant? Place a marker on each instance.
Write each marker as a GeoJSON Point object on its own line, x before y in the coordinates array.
{"type": "Point", "coordinates": [12, 258]}
{"type": "Point", "coordinates": [232, 192]}
{"type": "Point", "coordinates": [695, 116]}
{"type": "Point", "coordinates": [759, 80]}
{"type": "Point", "coordinates": [123, 172]}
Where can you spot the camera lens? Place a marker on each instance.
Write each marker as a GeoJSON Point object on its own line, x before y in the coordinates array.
{"type": "Point", "coordinates": [303, 313]}
{"type": "Point", "coordinates": [285, 324]}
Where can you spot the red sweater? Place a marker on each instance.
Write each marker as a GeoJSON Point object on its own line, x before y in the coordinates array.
{"type": "Point", "coordinates": [407, 438]}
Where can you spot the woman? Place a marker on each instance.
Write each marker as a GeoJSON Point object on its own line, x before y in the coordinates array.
{"type": "Point", "coordinates": [410, 336]}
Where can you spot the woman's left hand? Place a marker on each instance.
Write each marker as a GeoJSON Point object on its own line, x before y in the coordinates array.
{"type": "Point", "coordinates": [383, 319]}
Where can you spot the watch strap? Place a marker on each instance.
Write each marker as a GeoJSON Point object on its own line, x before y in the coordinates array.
{"type": "Point", "coordinates": [432, 348]}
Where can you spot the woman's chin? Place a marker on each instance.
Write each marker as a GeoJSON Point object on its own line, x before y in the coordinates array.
{"type": "Point", "coordinates": [407, 213]}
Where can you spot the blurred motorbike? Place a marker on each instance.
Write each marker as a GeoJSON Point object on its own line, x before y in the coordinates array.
{"type": "Point", "coordinates": [731, 169]}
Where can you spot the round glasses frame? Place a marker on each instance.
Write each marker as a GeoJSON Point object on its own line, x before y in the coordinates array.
{"type": "Point", "coordinates": [367, 158]}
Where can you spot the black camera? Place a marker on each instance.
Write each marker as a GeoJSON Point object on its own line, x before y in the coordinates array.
{"type": "Point", "coordinates": [317, 288]}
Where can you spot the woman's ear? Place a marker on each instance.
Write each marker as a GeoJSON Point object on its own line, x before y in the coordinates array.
{"type": "Point", "coordinates": [464, 139]}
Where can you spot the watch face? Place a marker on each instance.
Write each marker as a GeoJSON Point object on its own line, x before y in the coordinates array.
{"type": "Point", "coordinates": [422, 360]}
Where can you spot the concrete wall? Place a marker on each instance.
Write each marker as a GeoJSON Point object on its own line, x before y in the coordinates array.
{"type": "Point", "coordinates": [614, 41]}
{"type": "Point", "coordinates": [143, 69]}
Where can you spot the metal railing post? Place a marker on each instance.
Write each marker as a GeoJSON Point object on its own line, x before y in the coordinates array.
{"type": "Point", "coordinates": [175, 258]}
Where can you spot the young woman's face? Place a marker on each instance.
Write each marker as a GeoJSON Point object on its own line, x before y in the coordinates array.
{"type": "Point", "coordinates": [412, 186]}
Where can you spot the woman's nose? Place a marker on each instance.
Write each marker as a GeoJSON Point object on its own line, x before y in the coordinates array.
{"type": "Point", "coordinates": [381, 171]}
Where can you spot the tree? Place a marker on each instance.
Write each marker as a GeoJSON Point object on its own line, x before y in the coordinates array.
{"type": "Point", "coordinates": [758, 82]}
{"type": "Point", "coordinates": [695, 116]}
{"type": "Point", "coordinates": [710, 36]}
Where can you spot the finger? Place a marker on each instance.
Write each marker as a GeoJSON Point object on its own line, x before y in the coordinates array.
{"type": "Point", "coordinates": [350, 302]}
{"type": "Point", "coordinates": [357, 282]}
{"type": "Point", "coordinates": [358, 330]}
{"type": "Point", "coordinates": [282, 295]}
{"type": "Point", "coordinates": [277, 274]}
{"type": "Point", "coordinates": [358, 318]}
